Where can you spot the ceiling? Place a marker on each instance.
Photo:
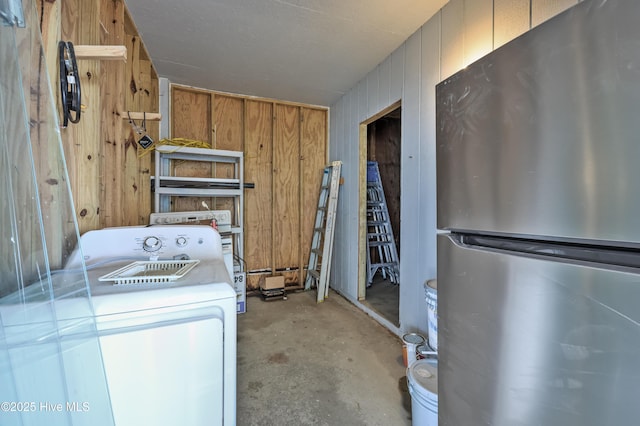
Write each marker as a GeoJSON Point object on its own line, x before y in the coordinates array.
{"type": "Point", "coordinates": [309, 51]}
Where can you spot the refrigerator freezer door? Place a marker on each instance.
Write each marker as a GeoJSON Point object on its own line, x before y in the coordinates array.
{"type": "Point", "coordinates": [542, 136]}
{"type": "Point", "coordinates": [530, 341]}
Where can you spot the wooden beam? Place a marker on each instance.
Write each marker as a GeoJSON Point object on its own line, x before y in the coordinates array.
{"type": "Point", "coordinates": [149, 116]}
{"type": "Point", "coordinates": [106, 53]}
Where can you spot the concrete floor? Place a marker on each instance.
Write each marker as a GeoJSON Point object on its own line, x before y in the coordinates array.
{"type": "Point", "coordinates": [302, 363]}
{"type": "Point", "coordinates": [383, 296]}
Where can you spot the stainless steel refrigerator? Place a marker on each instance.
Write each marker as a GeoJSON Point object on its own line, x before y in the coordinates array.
{"type": "Point", "coordinates": [538, 179]}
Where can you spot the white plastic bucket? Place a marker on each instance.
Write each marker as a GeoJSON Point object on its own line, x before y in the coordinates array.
{"type": "Point", "coordinates": [431, 293]}
{"type": "Point", "coordinates": [422, 380]}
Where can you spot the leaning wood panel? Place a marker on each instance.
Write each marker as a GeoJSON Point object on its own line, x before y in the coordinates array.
{"type": "Point", "coordinates": [312, 162]}
{"type": "Point", "coordinates": [258, 200]}
{"type": "Point", "coordinates": [112, 20]}
{"type": "Point", "coordinates": [286, 171]}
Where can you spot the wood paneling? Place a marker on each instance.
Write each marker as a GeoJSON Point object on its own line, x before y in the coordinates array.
{"type": "Point", "coordinates": [228, 113]}
{"type": "Point", "coordinates": [229, 118]}
{"type": "Point", "coordinates": [145, 102]}
{"type": "Point", "coordinates": [109, 182]}
{"type": "Point", "coordinates": [286, 171]}
{"type": "Point", "coordinates": [312, 162]}
{"type": "Point", "coordinates": [191, 114]}
{"type": "Point", "coordinates": [191, 118]}
{"type": "Point", "coordinates": [285, 150]}
{"type": "Point", "coordinates": [130, 156]}
{"type": "Point", "coordinates": [112, 20]}
{"type": "Point", "coordinates": [82, 148]}
{"type": "Point", "coordinates": [258, 170]}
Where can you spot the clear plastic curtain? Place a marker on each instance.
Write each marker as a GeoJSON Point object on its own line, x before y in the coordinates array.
{"type": "Point", "coordinates": [51, 369]}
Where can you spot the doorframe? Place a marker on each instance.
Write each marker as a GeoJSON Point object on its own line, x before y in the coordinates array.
{"type": "Point", "coordinates": [362, 198]}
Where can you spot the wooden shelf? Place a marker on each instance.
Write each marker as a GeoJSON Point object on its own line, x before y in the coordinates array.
{"type": "Point", "coordinates": [149, 116]}
{"type": "Point", "coordinates": [103, 53]}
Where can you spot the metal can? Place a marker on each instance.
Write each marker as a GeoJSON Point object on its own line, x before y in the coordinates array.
{"type": "Point", "coordinates": [409, 343]}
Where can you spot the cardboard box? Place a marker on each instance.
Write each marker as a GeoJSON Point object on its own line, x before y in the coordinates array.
{"type": "Point", "coordinates": [240, 284]}
{"type": "Point", "coordinates": [271, 282]}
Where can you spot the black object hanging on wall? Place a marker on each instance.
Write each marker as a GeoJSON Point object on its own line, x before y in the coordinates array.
{"type": "Point", "coordinates": [69, 83]}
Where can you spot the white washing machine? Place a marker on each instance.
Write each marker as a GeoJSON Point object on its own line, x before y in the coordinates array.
{"type": "Point", "coordinates": [168, 344]}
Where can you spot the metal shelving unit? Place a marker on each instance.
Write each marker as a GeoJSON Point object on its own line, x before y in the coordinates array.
{"type": "Point", "coordinates": [166, 185]}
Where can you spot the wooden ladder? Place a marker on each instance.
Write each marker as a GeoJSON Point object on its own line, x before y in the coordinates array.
{"type": "Point", "coordinates": [323, 230]}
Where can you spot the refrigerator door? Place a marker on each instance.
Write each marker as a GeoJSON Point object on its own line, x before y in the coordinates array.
{"type": "Point", "coordinates": [541, 136]}
{"type": "Point", "coordinates": [527, 340]}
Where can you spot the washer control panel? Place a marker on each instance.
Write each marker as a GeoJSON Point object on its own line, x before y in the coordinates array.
{"type": "Point", "coordinates": [168, 245]}
{"type": "Point", "coordinates": [163, 242]}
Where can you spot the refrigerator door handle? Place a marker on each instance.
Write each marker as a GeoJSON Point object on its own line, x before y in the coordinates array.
{"type": "Point", "coordinates": [602, 255]}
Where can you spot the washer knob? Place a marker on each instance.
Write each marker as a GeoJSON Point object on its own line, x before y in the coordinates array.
{"type": "Point", "coordinates": [151, 244]}
{"type": "Point", "coordinates": [181, 241]}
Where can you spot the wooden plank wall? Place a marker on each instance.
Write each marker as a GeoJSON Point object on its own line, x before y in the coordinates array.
{"type": "Point", "coordinates": [286, 171]}
{"type": "Point", "coordinates": [285, 146]}
{"type": "Point", "coordinates": [258, 154]}
{"type": "Point", "coordinates": [192, 115]}
{"type": "Point", "coordinates": [113, 125]}
{"type": "Point", "coordinates": [228, 131]}
{"type": "Point", "coordinates": [312, 161]}
{"type": "Point", "coordinates": [109, 178]}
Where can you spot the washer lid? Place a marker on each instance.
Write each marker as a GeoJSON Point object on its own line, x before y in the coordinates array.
{"type": "Point", "coordinates": [424, 374]}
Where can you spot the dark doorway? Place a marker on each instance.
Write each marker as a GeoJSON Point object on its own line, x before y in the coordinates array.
{"type": "Point", "coordinates": [383, 147]}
